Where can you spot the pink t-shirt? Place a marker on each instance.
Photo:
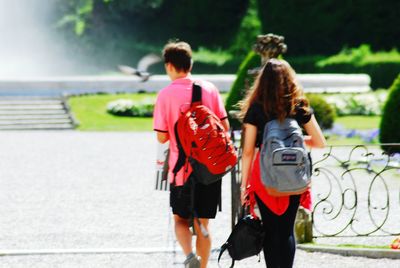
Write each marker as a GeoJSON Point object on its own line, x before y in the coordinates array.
{"type": "Point", "coordinates": [174, 100]}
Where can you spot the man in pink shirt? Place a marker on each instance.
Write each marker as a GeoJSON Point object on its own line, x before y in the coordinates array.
{"type": "Point", "coordinates": [172, 101]}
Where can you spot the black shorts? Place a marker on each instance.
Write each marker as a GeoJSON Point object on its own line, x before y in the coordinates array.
{"type": "Point", "coordinates": [206, 200]}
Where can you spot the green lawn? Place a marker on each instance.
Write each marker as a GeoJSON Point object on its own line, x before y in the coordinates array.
{"type": "Point", "coordinates": [359, 122]}
{"type": "Point", "coordinates": [91, 113]}
{"type": "Point", "coordinates": [335, 140]}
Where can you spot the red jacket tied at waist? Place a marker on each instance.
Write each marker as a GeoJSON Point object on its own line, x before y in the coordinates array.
{"type": "Point", "coordinates": [278, 205]}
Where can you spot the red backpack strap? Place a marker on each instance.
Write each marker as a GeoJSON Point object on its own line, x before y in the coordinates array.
{"type": "Point", "coordinates": [182, 157]}
{"type": "Point", "coordinates": [196, 94]}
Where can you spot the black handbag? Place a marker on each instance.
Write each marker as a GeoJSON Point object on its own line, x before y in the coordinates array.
{"type": "Point", "coordinates": [246, 239]}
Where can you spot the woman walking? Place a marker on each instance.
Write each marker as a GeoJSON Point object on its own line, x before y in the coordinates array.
{"type": "Point", "coordinates": [275, 95]}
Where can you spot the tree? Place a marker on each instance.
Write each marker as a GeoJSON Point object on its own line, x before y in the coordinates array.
{"type": "Point", "coordinates": [312, 27]}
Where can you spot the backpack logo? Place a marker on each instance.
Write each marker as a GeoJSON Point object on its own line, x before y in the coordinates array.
{"type": "Point", "coordinates": [284, 161]}
{"type": "Point", "coordinates": [289, 157]}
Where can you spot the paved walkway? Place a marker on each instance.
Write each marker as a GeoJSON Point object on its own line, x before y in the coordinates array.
{"type": "Point", "coordinates": [88, 190]}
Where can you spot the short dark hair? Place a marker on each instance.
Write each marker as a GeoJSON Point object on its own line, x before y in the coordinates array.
{"type": "Point", "coordinates": [179, 54]}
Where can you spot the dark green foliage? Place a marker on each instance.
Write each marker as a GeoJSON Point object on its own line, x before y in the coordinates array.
{"type": "Point", "coordinates": [157, 21]}
{"type": "Point", "coordinates": [242, 83]}
{"type": "Point", "coordinates": [324, 27]}
{"type": "Point", "coordinates": [323, 111]}
{"type": "Point", "coordinates": [305, 64]}
{"type": "Point", "coordinates": [109, 32]}
{"type": "Point", "coordinates": [243, 80]}
{"type": "Point", "coordinates": [247, 33]}
{"type": "Point", "coordinates": [201, 22]}
{"type": "Point", "coordinates": [390, 122]}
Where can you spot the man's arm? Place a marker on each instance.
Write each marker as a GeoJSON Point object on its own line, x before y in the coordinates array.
{"type": "Point", "coordinates": [162, 137]}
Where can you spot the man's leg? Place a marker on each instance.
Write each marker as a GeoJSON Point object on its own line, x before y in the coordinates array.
{"type": "Point", "coordinates": [183, 234]}
{"type": "Point", "coordinates": [207, 198]}
{"type": "Point", "coordinates": [203, 244]}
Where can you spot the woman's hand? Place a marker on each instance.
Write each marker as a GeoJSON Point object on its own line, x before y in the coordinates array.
{"type": "Point", "coordinates": [249, 146]}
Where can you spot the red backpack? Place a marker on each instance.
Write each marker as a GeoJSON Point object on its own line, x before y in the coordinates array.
{"type": "Point", "coordinates": [203, 143]}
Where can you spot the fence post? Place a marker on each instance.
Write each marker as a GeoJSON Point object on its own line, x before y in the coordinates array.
{"type": "Point", "coordinates": [303, 226]}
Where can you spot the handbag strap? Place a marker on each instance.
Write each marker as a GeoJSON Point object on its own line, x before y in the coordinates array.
{"type": "Point", "coordinates": [251, 204]}
{"type": "Point", "coordinates": [223, 248]}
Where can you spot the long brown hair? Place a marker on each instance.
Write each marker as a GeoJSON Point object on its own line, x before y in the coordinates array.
{"type": "Point", "coordinates": [277, 90]}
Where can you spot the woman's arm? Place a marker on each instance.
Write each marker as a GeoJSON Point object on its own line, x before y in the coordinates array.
{"type": "Point", "coordinates": [249, 144]}
{"type": "Point", "coordinates": [316, 138]}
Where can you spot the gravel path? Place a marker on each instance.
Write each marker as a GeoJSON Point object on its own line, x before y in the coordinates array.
{"type": "Point", "coordinates": [79, 190]}
{"type": "Point", "coordinates": [302, 260]}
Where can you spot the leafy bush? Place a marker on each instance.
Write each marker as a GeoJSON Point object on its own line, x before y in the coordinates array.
{"type": "Point", "coordinates": [124, 107]}
{"type": "Point", "coordinates": [323, 111]}
{"type": "Point", "coordinates": [390, 123]}
{"type": "Point", "coordinates": [358, 104]}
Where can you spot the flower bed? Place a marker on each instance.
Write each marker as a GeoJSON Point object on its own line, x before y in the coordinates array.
{"type": "Point", "coordinates": [126, 107]}
{"type": "Point", "coordinates": [359, 104]}
{"type": "Point", "coordinates": [367, 135]}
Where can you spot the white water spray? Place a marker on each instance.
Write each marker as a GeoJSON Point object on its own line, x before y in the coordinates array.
{"type": "Point", "coordinates": [28, 46]}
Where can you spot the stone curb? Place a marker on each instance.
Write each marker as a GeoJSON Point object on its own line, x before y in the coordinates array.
{"type": "Point", "coordinates": [73, 251]}
{"type": "Point", "coordinates": [22, 252]}
{"type": "Point", "coordinates": [355, 252]}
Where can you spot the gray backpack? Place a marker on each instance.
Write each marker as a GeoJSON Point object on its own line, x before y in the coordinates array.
{"type": "Point", "coordinates": [285, 163]}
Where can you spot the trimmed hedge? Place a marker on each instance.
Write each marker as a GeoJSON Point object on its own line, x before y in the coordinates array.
{"type": "Point", "coordinates": [381, 66]}
{"type": "Point", "coordinates": [390, 122]}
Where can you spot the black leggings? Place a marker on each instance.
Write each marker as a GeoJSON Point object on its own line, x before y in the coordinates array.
{"type": "Point", "coordinates": [279, 243]}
